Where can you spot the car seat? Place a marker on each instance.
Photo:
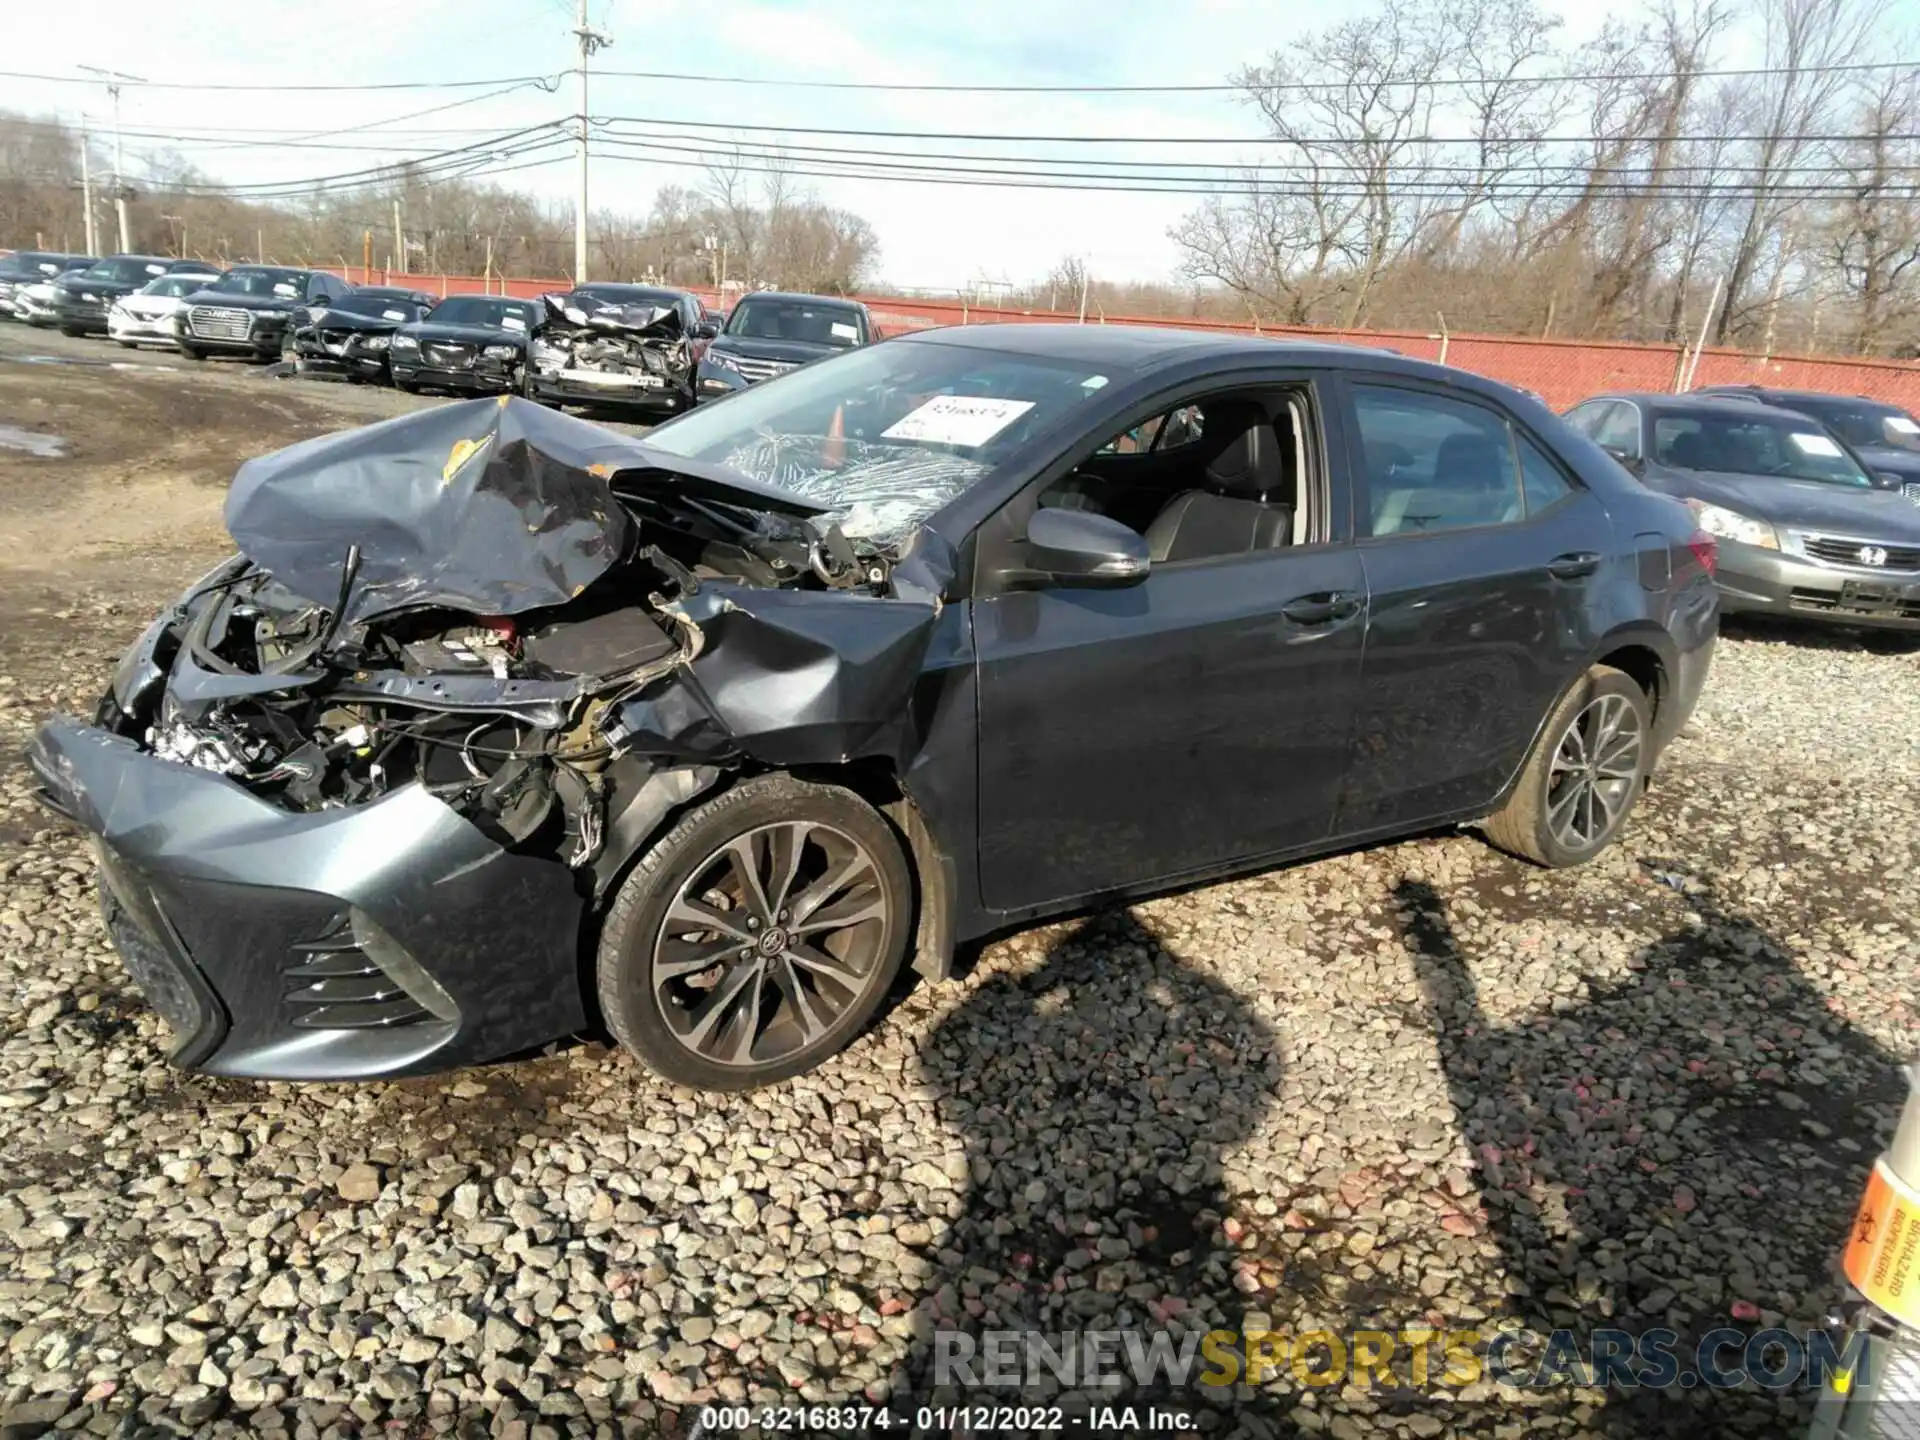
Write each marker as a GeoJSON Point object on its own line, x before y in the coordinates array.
{"type": "Point", "coordinates": [1241, 506]}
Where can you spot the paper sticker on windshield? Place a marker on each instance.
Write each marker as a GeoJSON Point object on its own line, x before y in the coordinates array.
{"type": "Point", "coordinates": [845, 332]}
{"type": "Point", "coordinates": [156, 269]}
{"type": "Point", "coordinates": [393, 314]}
{"type": "Point", "coordinates": [958, 420]}
{"type": "Point", "coordinates": [1901, 425]}
{"type": "Point", "coordinates": [1815, 444]}
{"type": "Point", "coordinates": [1094, 382]}
{"type": "Point", "coordinates": [282, 288]}
{"type": "Point", "coordinates": [512, 322]}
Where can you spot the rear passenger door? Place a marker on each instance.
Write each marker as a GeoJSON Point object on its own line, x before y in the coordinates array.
{"type": "Point", "coordinates": [1485, 560]}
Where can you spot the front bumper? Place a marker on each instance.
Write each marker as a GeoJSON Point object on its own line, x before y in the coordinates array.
{"type": "Point", "coordinates": [312, 358]}
{"type": "Point", "coordinates": [594, 387]}
{"type": "Point", "coordinates": [481, 382]}
{"type": "Point", "coordinates": [76, 314]}
{"type": "Point", "coordinates": [389, 939]}
{"type": "Point", "coordinates": [145, 330]}
{"type": "Point", "coordinates": [1773, 582]}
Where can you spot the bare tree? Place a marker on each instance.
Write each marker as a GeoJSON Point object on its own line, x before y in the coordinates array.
{"type": "Point", "coordinates": [1873, 238]}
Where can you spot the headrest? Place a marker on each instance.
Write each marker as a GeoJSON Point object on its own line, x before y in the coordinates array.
{"type": "Point", "coordinates": [1246, 450]}
{"type": "Point", "coordinates": [1472, 462]}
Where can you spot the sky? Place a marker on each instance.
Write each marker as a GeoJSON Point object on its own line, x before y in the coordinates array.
{"type": "Point", "coordinates": [932, 237]}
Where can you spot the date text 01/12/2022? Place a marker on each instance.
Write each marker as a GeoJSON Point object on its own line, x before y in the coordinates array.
{"type": "Point", "coordinates": [978, 1420]}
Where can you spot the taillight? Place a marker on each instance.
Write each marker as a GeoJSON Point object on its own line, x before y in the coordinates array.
{"type": "Point", "coordinates": [1706, 550]}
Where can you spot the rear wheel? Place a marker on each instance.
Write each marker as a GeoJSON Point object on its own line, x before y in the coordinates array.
{"type": "Point", "coordinates": [758, 936]}
{"type": "Point", "coordinates": [72, 332]}
{"type": "Point", "coordinates": [192, 352]}
{"type": "Point", "coordinates": [1585, 772]}
{"type": "Point", "coordinates": [128, 345]}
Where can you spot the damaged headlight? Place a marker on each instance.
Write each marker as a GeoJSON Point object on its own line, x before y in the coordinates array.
{"type": "Point", "coordinates": [502, 352]}
{"type": "Point", "coordinates": [375, 342]}
{"type": "Point", "coordinates": [549, 356]}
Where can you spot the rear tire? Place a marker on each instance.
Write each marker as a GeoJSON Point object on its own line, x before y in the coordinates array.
{"type": "Point", "coordinates": [1587, 768]}
{"type": "Point", "coordinates": [192, 352]}
{"type": "Point", "coordinates": [756, 997]}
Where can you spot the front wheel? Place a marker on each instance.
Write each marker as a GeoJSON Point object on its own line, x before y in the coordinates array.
{"type": "Point", "coordinates": [758, 936]}
{"type": "Point", "coordinates": [192, 352]}
{"type": "Point", "coordinates": [1586, 770]}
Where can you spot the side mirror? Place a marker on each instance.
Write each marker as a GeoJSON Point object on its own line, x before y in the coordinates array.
{"type": "Point", "coordinates": [1889, 479]}
{"type": "Point", "coordinates": [1631, 462]}
{"type": "Point", "coordinates": [705, 330]}
{"type": "Point", "coordinates": [1079, 547]}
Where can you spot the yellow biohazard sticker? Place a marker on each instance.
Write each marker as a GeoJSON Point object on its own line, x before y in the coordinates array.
{"type": "Point", "coordinates": [463, 451]}
{"type": "Point", "coordinates": [1883, 1251]}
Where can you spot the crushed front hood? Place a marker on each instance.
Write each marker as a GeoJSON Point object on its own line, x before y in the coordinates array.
{"type": "Point", "coordinates": [584, 312]}
{"type": "Point", "coordinates": [494, 507]}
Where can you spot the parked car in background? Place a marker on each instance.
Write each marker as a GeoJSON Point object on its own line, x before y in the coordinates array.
{"type": "Point", "coordinates": [1884, 436]}
{"type": "Point", "coordinates": [1803, 530]}
{"type": "Point", "coordinates": [466, 342]}
{"type": "Point", "coordinates": [630, 346]}
{"type": "Point", "coordinates": [770, 333]}
{"type": "Point", "coordinates": [147, 315]}
{"type": "Point", "coordinates": [33, 299]}
{"type": "Point", "coordinates": [32, 267]}
{"type": "Point", "coordinates": [349, 336]}
{"type": "Point", "coordinates": [82, 298]}
{"type": "Point", "coordinates": [249, 310]}
{"type": "Point", "coordinates": [891, 654]}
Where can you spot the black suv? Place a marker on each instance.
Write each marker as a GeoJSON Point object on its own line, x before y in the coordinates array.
{"type": "Point", "coordinates": [770, 333]}
{"type": "Point", "coordinates": [248, 310]}
{"type": "Point", "coordinates": [1882, 434]}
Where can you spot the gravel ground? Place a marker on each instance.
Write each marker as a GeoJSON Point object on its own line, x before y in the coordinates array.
{"type": "Point", "coordinates": [1419, 1086]}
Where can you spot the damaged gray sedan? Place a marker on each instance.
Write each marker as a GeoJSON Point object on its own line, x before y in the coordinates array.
{"type": "Point", "coordinates": [503, 726]}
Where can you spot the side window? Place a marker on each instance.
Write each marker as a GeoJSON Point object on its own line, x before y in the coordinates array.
{"type": "Point", "coordinates": [1158, 435]}
{"type": "Point", "coordinates": [1540, 479]}
{"type": "Point", "coordinates": [1434, 463]}
{"type": "Point", "coordinates": [1586, 418]}
{"type": "Point", "coordinates": [1620, 430]}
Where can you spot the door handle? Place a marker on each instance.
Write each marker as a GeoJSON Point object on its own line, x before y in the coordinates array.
{"type": "Point", "coordinates": [1322, 608]}
{"type": "Point", "coordinates": [1575, 566]}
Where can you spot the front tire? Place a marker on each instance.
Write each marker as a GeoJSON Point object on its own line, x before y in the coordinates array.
{"type": "Point", "coordinates": [1586, 770]}
{"type": "Point", "coordinates": [758, 936]}
{"type": "Point", "coordinates": [192, 352]}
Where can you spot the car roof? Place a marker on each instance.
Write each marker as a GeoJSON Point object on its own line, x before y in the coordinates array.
{"type": "Point", "coordinates": [1794, 397]}
{"type": "Point", "coordinates": [802, 296]}
{"type": "Point", "coordinates": [1146, 347]}
{"type": "Point", "coordinates": [1692, 403]}
{"type": "Point", "coordinates": [398, 292]}
{"type": "Point", "coordinates": [628, 287]}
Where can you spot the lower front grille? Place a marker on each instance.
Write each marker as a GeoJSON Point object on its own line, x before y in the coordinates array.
{"type": "Point", "coordinates": [757, 370]}
{"type": "Point", "coordinates": [1911, 489]}
{"type": "Point", "coordinates": [336, 984]}
{"type": "Point", "coordinates": [1828, 602]}
{"type": "Point", "coordinates": [157, 961]}
{"type": "Point", "coordinates": [216, 322]}
{"type": "Point", "coordinates": [1862, 554]}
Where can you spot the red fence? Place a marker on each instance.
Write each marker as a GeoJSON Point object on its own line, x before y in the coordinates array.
{"type": "Point", "coordinates": [1561, 371]}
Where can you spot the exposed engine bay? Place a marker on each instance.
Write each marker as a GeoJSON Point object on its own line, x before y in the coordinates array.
{"type": "Point", "coordinates": [586, 340]}
{"type": "Point", "coordinates": [501, 627]}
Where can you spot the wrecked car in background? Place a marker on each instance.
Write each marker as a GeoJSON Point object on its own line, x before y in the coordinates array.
{"type": "Point", "coordinates": [630, 346]}
{"type": "Point", "coordinates": [770, 333]}
{"type": "Point", "coordinates": [349, 336]}
{"type": "Point", "coordinates": [469, 343]}
{"type": "Point", "coordinates": [503, 724]}
{"type": "Point", "coordinates": [32, 267]}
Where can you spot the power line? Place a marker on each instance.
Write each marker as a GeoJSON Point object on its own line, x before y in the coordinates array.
{"type": "Point", "coordinates": [1304, 140]}
{"type": "Point", "coordinates": [1466, 81]}
{"type": "Point", "coordinates": [648, 152]}
{"type": "Point", "coordinates": [777, 150]}
{"type": "Point", "coordinates": [548, 82]}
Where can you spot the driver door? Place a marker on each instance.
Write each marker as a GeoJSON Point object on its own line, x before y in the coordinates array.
{"type": "Point", "coordinates": [1195, 718]}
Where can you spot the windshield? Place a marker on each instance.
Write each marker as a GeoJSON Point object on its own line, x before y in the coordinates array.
{"type": "Point", "coordinates": [886, 435]}
{"type": "Point", "coordinates": [261, 280]}
{"type": "Point", "coordinates": [380, 307]}
{"type": "Point", "coordinates": [29, 262]}
{"type": "Point", "coordinates": [125, 271]}
{"type": "Point", "coordinates": [1741, 445]}
{"type": "Point", "coordinates": [176, 285]}
{"type": "Point", "coordinates": [1864, 423]}
{"type": "Point", "coordinates": [812, 324]}
{"type": "Point", "coordinates": [630, 295]}
{"type": "Point", "coordinates": [479, 310]}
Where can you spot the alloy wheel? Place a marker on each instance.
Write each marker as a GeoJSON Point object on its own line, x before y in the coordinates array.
{"type": "Point", "coordinates": [769, 941]}
{"type": "Point", "coordinates": [1595, 768]}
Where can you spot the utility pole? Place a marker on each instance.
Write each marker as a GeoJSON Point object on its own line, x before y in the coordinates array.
{"type": "Point", "coordinates": [399, 239]}
{"type": "Point", "coordinates": [113, 79]}
{"type": "Point", "coordinates": [86, 189]}
{"type": "Point", "coordinates": [590, 41]}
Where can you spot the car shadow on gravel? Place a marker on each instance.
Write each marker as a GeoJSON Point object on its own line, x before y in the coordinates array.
{"type": "Point", "coordinates": [1645, 1157]}
{"type": "Point", "coordinates": [1096, 1096]}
